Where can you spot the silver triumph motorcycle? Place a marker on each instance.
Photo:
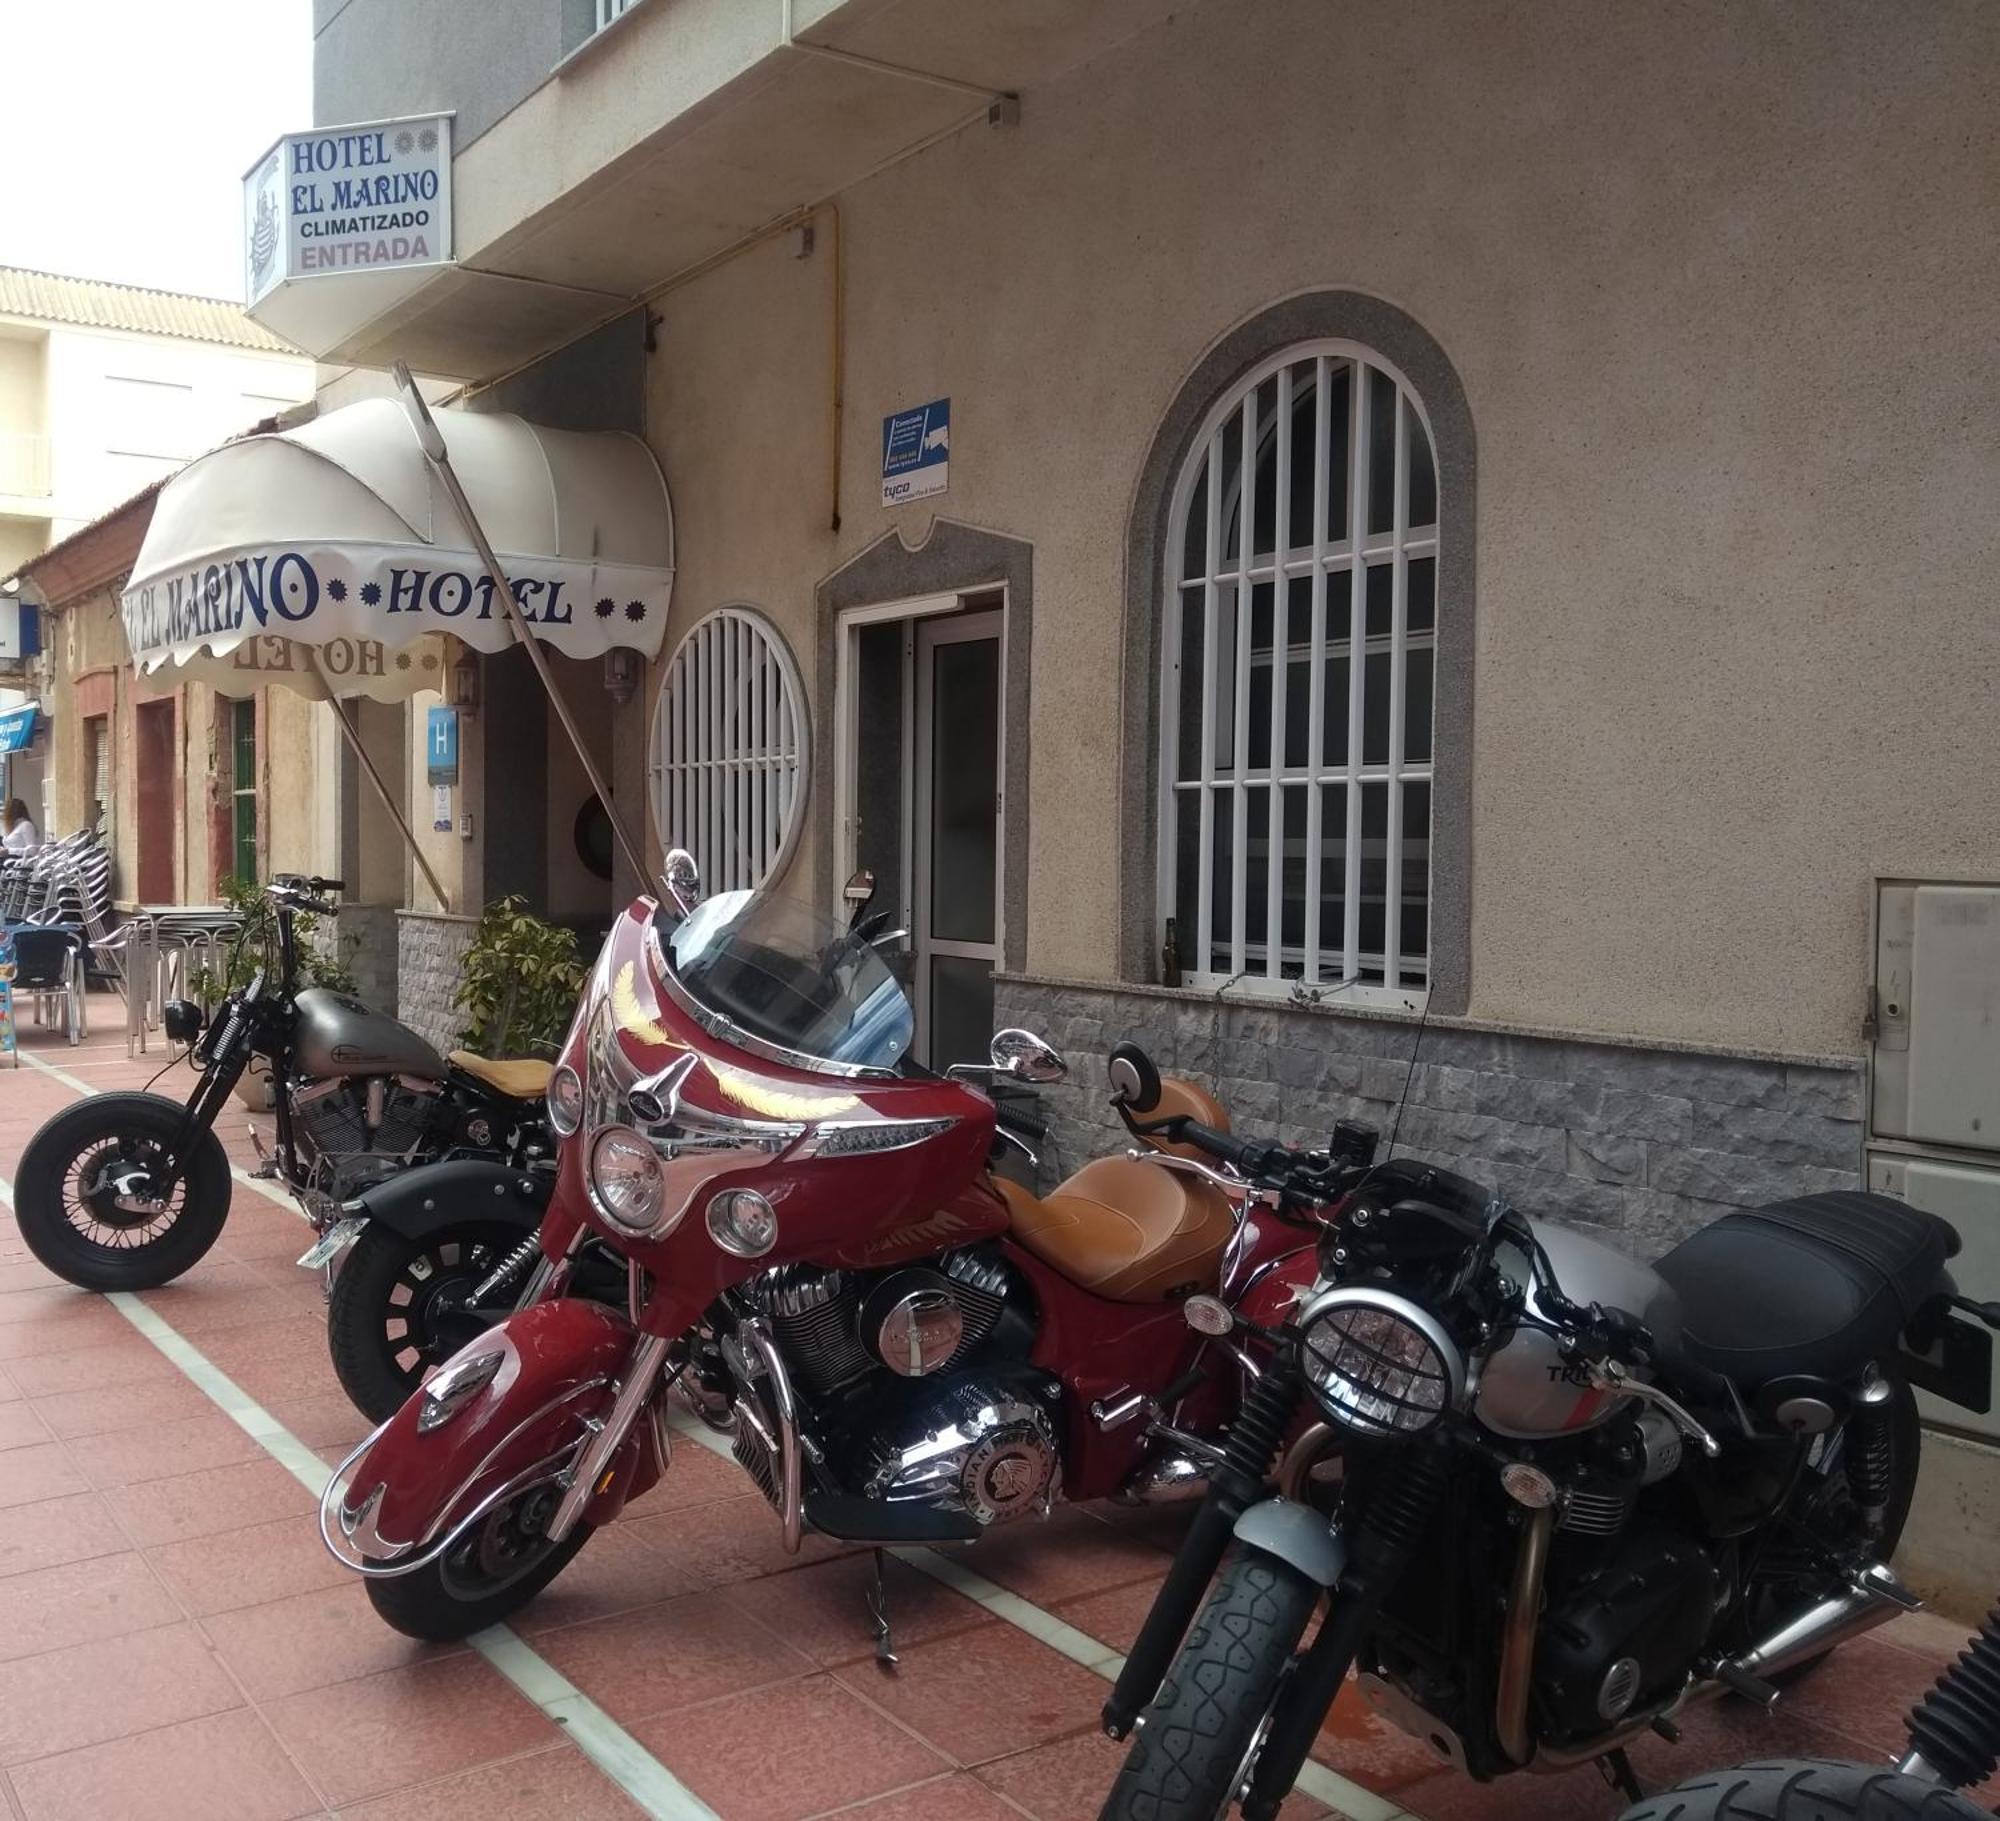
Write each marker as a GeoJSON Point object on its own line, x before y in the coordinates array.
{"type": "Point", "coordinates": [128, 1191]}
{"type": "Point", "coordinates": [1578, 1496]}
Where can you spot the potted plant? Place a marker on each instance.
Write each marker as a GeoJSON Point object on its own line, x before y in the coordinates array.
{"type": "Point", "coordinates": [519, 982]}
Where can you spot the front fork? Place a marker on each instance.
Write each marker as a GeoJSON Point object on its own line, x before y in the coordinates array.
{"type": "Point", "coordinates": [596, 1466]}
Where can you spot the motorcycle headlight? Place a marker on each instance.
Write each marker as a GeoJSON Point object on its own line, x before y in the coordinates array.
{"type": "Point", "coordinates": [1377, 1363]}
{"type": "Point", "coordinates": [627, 1185]}
{"type": "Point", "coordinates": [565, 1101]}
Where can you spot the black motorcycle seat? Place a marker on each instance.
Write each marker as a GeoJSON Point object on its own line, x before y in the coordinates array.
{"type": "Point", "coordinates": [1817, 1286]}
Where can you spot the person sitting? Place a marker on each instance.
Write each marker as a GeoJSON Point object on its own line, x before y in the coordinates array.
{"type": "Point", "coordinates": [21, 834]}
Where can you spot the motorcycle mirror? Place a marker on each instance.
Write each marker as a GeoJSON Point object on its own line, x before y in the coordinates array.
{"type": "Point", "coordinates": [1026, 1057]}
{"type": "Point", "coordinates": [683, 879]}
{"type": "Point", "coordinates": [1135, 1082]}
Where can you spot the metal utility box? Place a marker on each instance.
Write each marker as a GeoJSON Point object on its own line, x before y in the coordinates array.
{"type": "Point", "coordinates": [1934, 1098]}
{"type": "Point", "coordinates": [1937, 1015]}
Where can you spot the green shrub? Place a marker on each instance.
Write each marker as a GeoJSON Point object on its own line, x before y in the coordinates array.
{"type": "Point", "coordinates": [520, 983]}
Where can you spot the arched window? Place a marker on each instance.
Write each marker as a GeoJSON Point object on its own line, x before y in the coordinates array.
{"type": "Point", "coordinates": [1297, 681]}
{"type": "Point", "coordinates": [730, 753]}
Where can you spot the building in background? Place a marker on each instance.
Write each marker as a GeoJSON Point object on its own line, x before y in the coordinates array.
{"type": "Point", "coordinates": [1257, 519]}
{"type": "Point", "coordinates": [105, 390]}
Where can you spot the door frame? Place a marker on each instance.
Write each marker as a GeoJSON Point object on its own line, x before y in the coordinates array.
{"type": "Point", "coordinates": [915, 612]}
{"type": "Point", "coordinates": [974, 627]}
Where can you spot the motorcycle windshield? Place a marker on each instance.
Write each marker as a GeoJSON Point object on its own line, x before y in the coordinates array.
{"type": "Point", "coordinates": [790, 979]}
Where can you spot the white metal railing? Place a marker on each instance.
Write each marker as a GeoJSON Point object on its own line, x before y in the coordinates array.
{"type": "Point", "coordinates": [24, 463]}
{"type": "Point", "coordinates": [1299, 642]}
{"type": "Point", "coordinates": [727, 770]}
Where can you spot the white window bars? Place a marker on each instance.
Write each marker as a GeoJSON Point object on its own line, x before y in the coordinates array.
{"type": "Point", "coordinates": [608, 10]}
{"type": "Point", "coordinates": [727, 770]}
{"type": "Point", "coordinates": [1295, 804]}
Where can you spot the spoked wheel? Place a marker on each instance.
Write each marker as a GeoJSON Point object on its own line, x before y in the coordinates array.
{"type": "Point", "coordinates": [1791, 1578]}
{"type": "Point", "coordinates": [400, 1307]}
{"type": "Point", "coordinates": [90, 1198]}
{"type": "Point", "coordinates": [492, 1571]}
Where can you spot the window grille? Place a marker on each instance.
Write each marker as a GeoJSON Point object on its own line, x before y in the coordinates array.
{"type": "Point", "coordinates": [730, 752]}
{"type": "Point", "coordinates": [1296, 780]}
{"type": "Point", "coordinates": [608, 10]}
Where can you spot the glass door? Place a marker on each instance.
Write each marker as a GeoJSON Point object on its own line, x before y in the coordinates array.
{"type": "Point", "coordinates": [956, 934]}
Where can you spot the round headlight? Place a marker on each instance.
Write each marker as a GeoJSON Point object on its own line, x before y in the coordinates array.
{"type": "Point", "coordinates": [626, 1181]}
{"type": "Point", "coordinates": [1377, 1363]}
{"type": "Point", "coordinates": [565, 1100]}
{"type": "Point", "coordinates": [743, 1222]}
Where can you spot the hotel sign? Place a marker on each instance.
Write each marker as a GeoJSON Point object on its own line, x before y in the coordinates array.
{"type": "Point", "coordinates": [348, 199]}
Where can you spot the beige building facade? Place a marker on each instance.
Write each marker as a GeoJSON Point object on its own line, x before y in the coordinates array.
{"type": "Point", "coordinates": [1647, 353]}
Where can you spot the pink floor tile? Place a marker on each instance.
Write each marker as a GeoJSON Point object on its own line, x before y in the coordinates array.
{"type": "Point", "coordinates": [364, 1738]}
{"type": "Point", "coordinates": [984, 1694]}
{"type": "Point", "coordinates": [729, 1540]}
{"type": "Point", "coordinates": [670, 1656]}
{"type": "Point", "coordinates": [65, 1699]}
{"type": "Point", "coordinates": [1069, 1554]}
{"type": "Point", "coordinates": [125, 1359]}
{"type": "Point", "coordinates": [561, 1782]}
{"type": "Point", "coordinates": [100, 1409]}
{"type": "Point", "coordinates": [778, 1754]}
{"type": "Point", "coordinates": [615, 1573]}
{"type": "Point", "coordinates": [208, 1502]}
{"type": "Point", "coordinates": [126, 1456]}
{"type": "Point", "coordinates": [77, 1602]}
{"type": "Point", "coordinates": [58, 1530]}
{"type": "Point", "coordinates": [948, 1799]}
{"type": "Point", "coordinates": [201, 1770]}
{"type": "Point", "coordinates": [823, 1610]}
{"type": "Point", "coordinates": [248, 1567]}
{"type": "Point", "coordinates": [41, 1471]}
{"type": "Point", "coordinates": [21, 1426]}
{"type": "Point", "coordinates": [310, 1640]}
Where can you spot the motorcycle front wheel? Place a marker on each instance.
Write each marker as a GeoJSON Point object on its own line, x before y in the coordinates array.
{"type": "Point", "coordinates": [488, 1575]}
{"type": "Point", "coordinates": [86, 1197]}
{"type": "Point", "coordinates": [1190, 1757]}
{"type": "Point", "coordinates": [397, 1308]}
{"type": "Point", "coordinates": [1805, 1790]}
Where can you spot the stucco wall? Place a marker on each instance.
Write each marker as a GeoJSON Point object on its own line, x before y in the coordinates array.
{"type": "Point", "coordinates": [1720, 284]}
{"type": "Point", "coordinates": [376, 59]}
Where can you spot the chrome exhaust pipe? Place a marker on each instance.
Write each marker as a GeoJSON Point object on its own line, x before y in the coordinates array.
{"type": "Point", "coordinates": [1874, 1599]}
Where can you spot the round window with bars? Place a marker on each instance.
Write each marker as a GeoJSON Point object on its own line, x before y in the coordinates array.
{"type": "Point", "coordinates": [730, 752]}
{"type": "Point", "coordinates": [1298, 644]}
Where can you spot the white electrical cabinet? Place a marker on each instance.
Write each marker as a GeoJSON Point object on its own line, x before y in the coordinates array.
{"type": "Point", "coordinates": [1934, 1103]}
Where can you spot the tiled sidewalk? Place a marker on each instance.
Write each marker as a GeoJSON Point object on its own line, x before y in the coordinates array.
{"type": "Point", "coordinates": [176, 1645]}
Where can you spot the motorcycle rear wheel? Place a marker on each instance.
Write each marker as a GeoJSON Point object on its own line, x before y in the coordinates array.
{"type": "Point", "coordinates": [388, 1323]}
{"type": "Point", "coordinates": [1799, 1789]}
{"type": "Point", "coordinates": [93, 1156]}
{"type": "Point", "coordinates": [1190, 1755]}
{"type": "Point", "coordinates": [487, 1576]}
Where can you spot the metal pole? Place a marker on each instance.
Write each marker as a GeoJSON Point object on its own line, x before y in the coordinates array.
{"type": "Point", "coordinates": [432, 439]}
{"type": "Point", "coordinates": [382, 790]}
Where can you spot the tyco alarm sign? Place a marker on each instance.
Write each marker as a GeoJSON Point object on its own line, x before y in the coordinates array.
{"type": "Point", "coordinates": [916, 452]}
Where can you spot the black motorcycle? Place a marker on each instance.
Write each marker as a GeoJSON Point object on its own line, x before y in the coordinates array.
{"type": "Point", "coordinates": [128, 1191]}
{"type": "Point", "coordinates": [1578, 1495]}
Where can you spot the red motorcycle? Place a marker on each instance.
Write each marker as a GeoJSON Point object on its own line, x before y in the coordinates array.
{"type": "Point", "coordinates": [904, 1348]}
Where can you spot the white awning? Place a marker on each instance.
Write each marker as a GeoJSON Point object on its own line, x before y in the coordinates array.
{"type": "Point", "coordinates": [329, 559]}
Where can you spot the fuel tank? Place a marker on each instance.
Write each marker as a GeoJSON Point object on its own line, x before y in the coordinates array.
{"type": "Point", "coordinates": [338, 1035]}
{"type": "Point", "coordinates": [1528, 1389]}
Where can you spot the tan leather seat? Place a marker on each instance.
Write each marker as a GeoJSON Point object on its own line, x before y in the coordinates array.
{"type": "Point", "coordinates": [517, 1077]}
{"type": "Point", "coordinates": [1182, 1099]}
{"type": "Point", "coordinates": [1125, 1229]}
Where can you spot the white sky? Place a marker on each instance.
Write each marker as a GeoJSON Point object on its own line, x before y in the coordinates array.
{"type": "Point", "coordinates": [126, 127]}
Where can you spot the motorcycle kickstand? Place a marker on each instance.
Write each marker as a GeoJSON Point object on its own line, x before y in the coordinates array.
{"type": "Point", "coordinates": [878, 1613]}
{"type": "Point", "coordinates": [1618, 1772]}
